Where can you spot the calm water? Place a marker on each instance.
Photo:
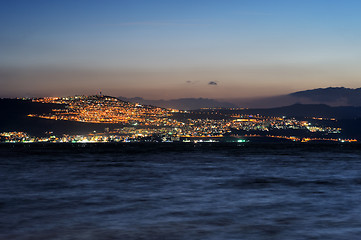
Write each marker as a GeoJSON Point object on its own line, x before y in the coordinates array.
{"type": "Point", "coordinates": [288, 193]}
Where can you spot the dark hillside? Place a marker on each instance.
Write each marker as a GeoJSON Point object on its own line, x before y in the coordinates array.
{"type": "Point", "coordinates": [14, 118]}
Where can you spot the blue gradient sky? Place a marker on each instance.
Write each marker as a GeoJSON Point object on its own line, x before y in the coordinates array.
{"type": "Point", "coordinates": [171, 49]}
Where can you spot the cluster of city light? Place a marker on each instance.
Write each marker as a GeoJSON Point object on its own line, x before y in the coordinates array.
{"type": "Point", "coordinates": [103, 109]}
{"type": "Point", "coordinates": [308, 139]}
{"type": "Point", "coordinates": [128, 134]}
{"type": "Point", "coordinates": [13, 136]}
{"type": "Point", "coordinates": [148, 123]}
{"type": "Point", "coordinates": [268, 123]}
{"type": "Point", "coordinates": [142, 135]}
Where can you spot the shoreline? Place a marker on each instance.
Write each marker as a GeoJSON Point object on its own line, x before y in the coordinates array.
{"type": "Point", "coordinates": [154, 147]}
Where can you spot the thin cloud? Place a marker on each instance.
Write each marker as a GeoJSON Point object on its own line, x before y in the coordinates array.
{"type": "Point", "coordinates": [213, 83]}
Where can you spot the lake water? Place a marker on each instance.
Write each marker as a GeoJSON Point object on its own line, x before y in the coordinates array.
{"type": "Point", "coordinates": [231, 193]}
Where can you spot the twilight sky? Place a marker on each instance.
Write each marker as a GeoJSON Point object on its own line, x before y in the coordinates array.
{"type": "Point", "coordinates": [172, 49]}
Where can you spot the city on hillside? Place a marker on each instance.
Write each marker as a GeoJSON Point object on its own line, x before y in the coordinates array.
{"type": "Point", "coordinates": [142, 123]}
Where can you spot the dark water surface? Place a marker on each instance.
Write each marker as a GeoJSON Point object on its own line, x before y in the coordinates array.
{"type": "Point", "coordinates": [235, 193]}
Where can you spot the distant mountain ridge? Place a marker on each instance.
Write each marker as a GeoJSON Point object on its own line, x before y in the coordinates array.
{"type": "Point", "coordinates": [182, 103]}
{"type": "Point", "coordinates": [331, 96]}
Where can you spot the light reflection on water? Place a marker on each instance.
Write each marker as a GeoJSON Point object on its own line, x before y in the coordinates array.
{"type": "Point", "coordinates": [184, 195]}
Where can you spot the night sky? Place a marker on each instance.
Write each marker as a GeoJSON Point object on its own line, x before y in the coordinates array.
{"type": "Point", "coordinates": [173, 49]}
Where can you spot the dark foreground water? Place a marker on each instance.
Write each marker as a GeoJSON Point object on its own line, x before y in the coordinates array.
{"type": "Point", "coordinates": [235, 193]}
